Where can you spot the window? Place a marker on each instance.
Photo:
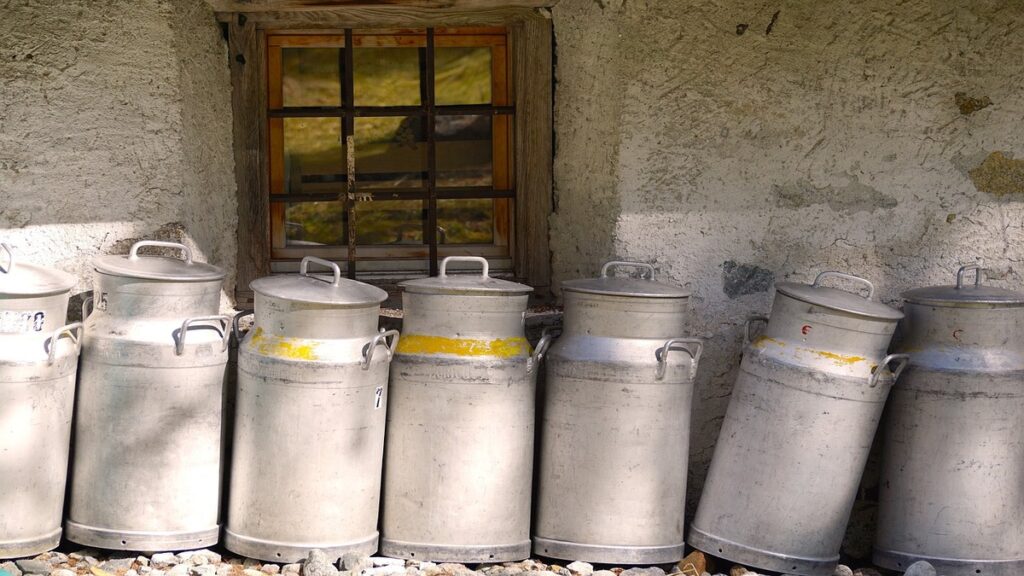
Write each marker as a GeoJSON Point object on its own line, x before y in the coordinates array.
{"type": "Point", "coordinates": [390, 149]}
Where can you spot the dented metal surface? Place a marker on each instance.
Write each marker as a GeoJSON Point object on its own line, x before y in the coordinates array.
{"type": "Point", "coordinates": [798, 430]}
{"type": "Point", "coordinates": [952, 480]}
{"type": "Point", "coordinates": [615, 429]}
{"type": "Point", "coordinates": [309, 421]}
{"type": "Point", "coordinates": [459, 469]}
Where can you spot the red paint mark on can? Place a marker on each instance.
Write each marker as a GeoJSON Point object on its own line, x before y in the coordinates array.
{"type": "Point", "coordinates": [806, 329]}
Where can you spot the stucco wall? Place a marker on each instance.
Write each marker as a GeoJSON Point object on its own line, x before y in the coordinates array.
{"type": "Point", "coordinates": [733, 144]}
{"type": "Point", "coordinates": [115, 125]}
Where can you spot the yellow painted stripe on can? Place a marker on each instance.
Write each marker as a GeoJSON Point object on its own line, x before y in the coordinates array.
{"type": "Point", "coordinates": [281, 347]}
{"type": "Point", "coordinates": [429, 345]}
{"type": "Point", "coordinates": [841, 359]}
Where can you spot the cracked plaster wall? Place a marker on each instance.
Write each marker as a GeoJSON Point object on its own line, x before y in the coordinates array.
{"type": "Point", "coordinates": [115, 125]}
{"type": "Point", "coordinates": [858, 137]}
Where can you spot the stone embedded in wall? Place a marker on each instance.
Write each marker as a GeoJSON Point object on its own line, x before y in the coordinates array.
{"type": "Point", "coordinates": [969, 104]}
{"type": "Point", "coordinates": [999, 174]}
{"type": "Point", "coordinates": [170, 232]}
{"type": "Point", "coordinates": [742, 279]}
{"type": "Point", "coordinates": [851, 198]}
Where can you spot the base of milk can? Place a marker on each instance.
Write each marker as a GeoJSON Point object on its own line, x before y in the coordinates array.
{"type": "Point", "coordinates": [276, 551]}
{"type": "Point", "coordinates": [459, 554]}
{"type": "Point", "coordinates": [29, 546]}
{"type": "Point", "coordinates": [949, 566]}
{"type": "Point", "coordinates": [140, 541]}
{"type": "Point", "coordinates": [757, 558]}
{"type": "Point", "coordinates": [608, 554]}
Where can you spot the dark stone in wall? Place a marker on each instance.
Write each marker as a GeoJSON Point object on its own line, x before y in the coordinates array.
{"type": "Point", "coordinates": [741, 279]}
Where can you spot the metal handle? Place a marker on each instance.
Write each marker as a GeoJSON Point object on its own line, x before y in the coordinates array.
{"type": "Point", "coordinates": [483, 262]}
{"type": "Point", "coordinates": [76, 336]}
{"type": "Point", "coordinates": [901, 358]}
{"type": "Point", "coordinates": [547, 336]}
{"type": "Point", "coordinates": [10, 258]}
{"type": "Point", "coordinates": [133, 254]}
{"type": "Point", "coordinates": [866, 282]}
{"type": "Point", "coordinates": [644, 265]}
{"type": "Point", "coordinates": [179, 338]}
{"type": "Point", "coordinates": [662, 353]}
{"type": "Point", "coordinates": [979, 275]}
{"type": "Point", "coordinates": [327, 263]}
{"type": "Point", "coordinates": [746, 327]}
{"type": "Point", "coordinates": [382, 337]}
{"type": "Point", "coordinates": [234, 323]}
{"type": "Point", "coordinates": [87, 304]}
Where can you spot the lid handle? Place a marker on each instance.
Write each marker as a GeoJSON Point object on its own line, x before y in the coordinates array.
{"type": "Point", "coordinates": [10, 258]}
{"type": "Point", "coordinates": [845, 276]}
{"type": "Point", "coordinates": [134, 253]}
{"type": "Point", "coordinates": [483, 262]}
{"type": "Point", "coordinates": [979, 275]}
{"type": "Point", "coordinates": [616, 263]}
{"type": "Point", "coordinates": [325, 263]}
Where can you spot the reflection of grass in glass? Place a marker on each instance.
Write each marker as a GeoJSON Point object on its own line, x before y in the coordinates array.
{"type": "Point", "coordinates": [462, 75]}
{"type": "Point", "coordinates": [315, 222]}
{"type": "Point", "coordinates": [466, 221]}
{"type": "Point", "coordinates": [389, 222]}
{"type": "Point", "coordinates": [309, 77]}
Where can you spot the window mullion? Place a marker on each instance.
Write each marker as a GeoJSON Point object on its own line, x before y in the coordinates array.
{"type": "Point", "coordinates": [349, 145]}
{"type": "Point", "coordinates": [431, 155]}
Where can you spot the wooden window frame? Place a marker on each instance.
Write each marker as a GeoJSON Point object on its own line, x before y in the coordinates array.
{"type": "Point", "coordinates": [530, 46]}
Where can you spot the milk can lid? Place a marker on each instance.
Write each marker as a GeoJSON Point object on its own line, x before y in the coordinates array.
{"type": "Point", "coordinates": [319, 288]}
{"type": "Point", "coordinates": [966, 294]}
{"type": "Point", "coordinates": [465, 284]}
{"type": "Point", "coordinates": [841, 300]}
{"type": "Point", "coordinates": [158, 267]}
{"type": "Point", "coordinates": [22, 279]}
{"type": "Point", "coordinates": [643, 287]}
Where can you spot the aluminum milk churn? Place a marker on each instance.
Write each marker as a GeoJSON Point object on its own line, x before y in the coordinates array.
{"type": "Point", "coordinates": [146, 471]}
{"type": "Point", "coordinates": [458, 474]}
{"type": "Point", "coordinates": [952, 483]}
{"type": "Point", "coordinates": [38, 361]}
{"type": "Point", "coordinates": [615, 430]}
{"type": "Point", "coordinates": [309, 418]}
{"type": "Point", "coordinates": [798, 430]}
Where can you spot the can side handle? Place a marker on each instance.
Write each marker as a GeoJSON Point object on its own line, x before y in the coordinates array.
{"type": "Point", "coordinates": [235, 331]}
{"type": "Point", "coordinates": [661, 354]}
{"type": "Point", "coordinates": [751, 320]}
{"type": "Point", "coordinates": [901, 359]}
{"type": "Point", "coordinates": [335, 269]}
{"type": "Point", "coordinates": [179, 334]}
{"type": "Point", "coordinates": [73, 330]}
{"type": "Point", "coordinates": [443, 270]}
{"type": "Point", "coordinates": [133, 254]}
{"type": "Point", "coordinates": [10, 258]}
{"type": "Point", "coordinates": [87, 307]}
{"type": "Point", "coordinates": [649, 269]}
{"type": "Point", "coordinates": [979, 275]}
{"type": "Point", "coordinates": [845, 276]}
{"type": "Point", "coordinates": [547, 336]}
{"type": "Point", "coordinates": [381, 338]}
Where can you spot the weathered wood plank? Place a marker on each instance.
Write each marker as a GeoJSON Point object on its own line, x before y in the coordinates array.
{"type": "Point", "coordinates": [532, 65]}
{"type": "Point", "coordinates": [388, 17]}
{"type": "Point", "coordinates": [290, 5]}
{"type": "Point", "coordinates": [248, 100]}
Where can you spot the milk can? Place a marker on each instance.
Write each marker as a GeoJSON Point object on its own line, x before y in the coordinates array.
{"type": "Point", "coordinates": [615, 430]}
{"type": "Point", "coordinates": [147, 460]}
{"type": "Point", "coordinates": [38, 360]}
{"type": "Point", "coordinates": [800, 423]}
{"type": "Point", "coordinates": [458, 474]}
{"type": "Point", "coordinates": [952, 482]}
{"type": "Point", "coordinates": [309, 418]}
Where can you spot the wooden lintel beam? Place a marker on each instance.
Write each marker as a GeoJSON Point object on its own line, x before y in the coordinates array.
{"type": "Point", "coordinates": [298, 5]}
{"type": "Point", "coordinates": [387, 17]}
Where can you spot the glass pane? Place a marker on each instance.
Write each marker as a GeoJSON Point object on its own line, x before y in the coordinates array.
{"type": "Point", "coordinates": [462, 75]}
{"type": "Point", "coordinates": [314, 224]}
{"type": "Point", "coordinates": [389, 222]}
{"type": "Point", "coordinates": [465, 221]}
{"type": "Point", "coordinates": [390, 152]}
{"type": "Point", "coordinates": [314, 157]}
{"type": "Point", "coordinates": [386, 76]}
{"type": "Point", "coordinates": [310, 76]}
{"type": "Point", "coordinates": [463, 150]}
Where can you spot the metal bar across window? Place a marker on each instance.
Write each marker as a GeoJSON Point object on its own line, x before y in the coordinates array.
{"type": "Point", "coordinates": [378, 111]}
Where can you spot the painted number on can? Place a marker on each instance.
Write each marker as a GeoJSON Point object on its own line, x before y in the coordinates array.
{"type": "Point", "coordinates": [16, 322]}
{"type": "Point", "coordinates": [378, 397]}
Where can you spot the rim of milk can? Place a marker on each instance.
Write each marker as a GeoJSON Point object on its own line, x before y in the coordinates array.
{"type": "Point", "coordinates": [182, 269]}
{"type": "Point", "coordinates": [319, 288]}
{"type": "Point", "coordinates": [642, 287]}
{"type": "Point", "coordinates": [23, 279]}
{"type": "Point", "coordinates": [966, 294]}
{"type": "Point", "coordinates": [841, 300]}
{"type": "Point", "coordinates": [465, 284]}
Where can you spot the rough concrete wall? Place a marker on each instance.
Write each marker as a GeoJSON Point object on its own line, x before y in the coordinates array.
{"type": "Point", "coordinates": [114, 126]}
{"type": "Point", "coordinates": [733, 144]}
